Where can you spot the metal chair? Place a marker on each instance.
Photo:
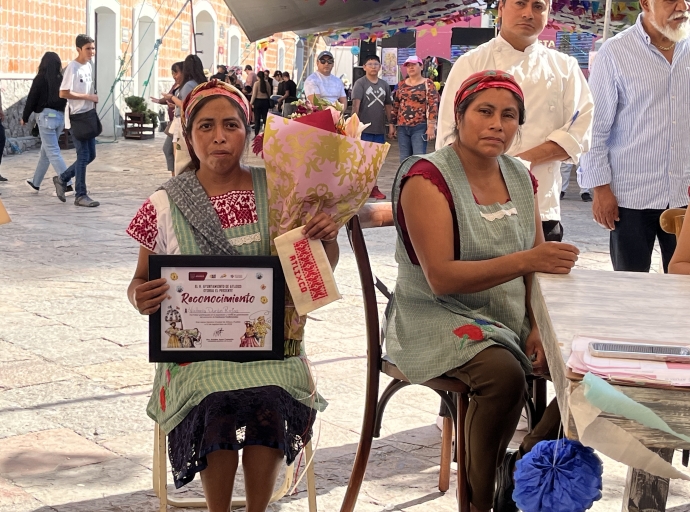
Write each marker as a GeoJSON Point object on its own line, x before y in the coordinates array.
{"type": "Point", "coordinates": [160, 479]}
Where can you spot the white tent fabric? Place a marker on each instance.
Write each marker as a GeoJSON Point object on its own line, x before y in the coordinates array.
{"type": "Point", "coordinates": [261, 18]}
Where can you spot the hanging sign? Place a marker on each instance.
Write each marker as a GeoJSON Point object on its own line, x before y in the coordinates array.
{"type": "Point", "coordinates": [389, 71]}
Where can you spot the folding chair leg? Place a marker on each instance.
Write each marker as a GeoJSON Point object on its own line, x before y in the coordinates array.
{"type": "Point", "coordinates": [162, 473]}
{"type": "Point", "coordinates": [463, 490]}
{"type": "Point", "coordinates": [311, 478]}
{"type": "Point", "coordinates": [446, 454]}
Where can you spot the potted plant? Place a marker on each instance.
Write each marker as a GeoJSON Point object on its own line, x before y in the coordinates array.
{"type": "Point", "coordinates": [138, 105]}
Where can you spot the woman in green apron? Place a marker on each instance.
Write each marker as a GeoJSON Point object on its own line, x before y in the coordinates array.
{"type": "Point", "coordinates": [467, 247]}
{"type": "Point", "coordinates": [210, 410]}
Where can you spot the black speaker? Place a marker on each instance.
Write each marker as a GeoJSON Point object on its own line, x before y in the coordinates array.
{"type": "Point", "coordinates": [471, 36]}
{"type": "Point", "coordinates": [357, 73]}
{"type": "Point", "coordinates": [365, 49]}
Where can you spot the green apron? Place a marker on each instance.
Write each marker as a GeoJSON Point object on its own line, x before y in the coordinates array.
{"type": "Point", "coordinates": [428, 335]}
{"type": "Point", "coordinates": [178, 389]}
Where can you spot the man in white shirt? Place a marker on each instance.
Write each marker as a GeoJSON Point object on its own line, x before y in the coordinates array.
{"type": "Point", "coordinates": [557, 99]}
{"type": "Point", "coordinates": [639, 164]}
{"type": "Point", "coordinates": [321, 84]}
{"type": "Point", "coordinates": [76, 88]}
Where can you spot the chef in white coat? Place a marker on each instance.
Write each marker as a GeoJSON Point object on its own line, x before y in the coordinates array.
{"type": "Point", "coordinates": [557, 99]}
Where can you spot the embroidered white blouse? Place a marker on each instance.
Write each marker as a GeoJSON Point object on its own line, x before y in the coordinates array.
{"type": "Point", "coordinates": [152, 226]}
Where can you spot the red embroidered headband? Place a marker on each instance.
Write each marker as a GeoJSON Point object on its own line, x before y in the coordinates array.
{"type": "Point", "coordinates": [490, 79]}
{"type": "Point", "coordinates": [213, 88]}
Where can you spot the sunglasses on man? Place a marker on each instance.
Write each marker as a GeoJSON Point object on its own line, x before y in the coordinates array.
{"type": "Point", "coordinates": [326, 61]}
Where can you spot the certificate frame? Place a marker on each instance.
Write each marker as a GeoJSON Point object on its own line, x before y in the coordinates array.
{"type": "Point", "coordinates": [259, 266]}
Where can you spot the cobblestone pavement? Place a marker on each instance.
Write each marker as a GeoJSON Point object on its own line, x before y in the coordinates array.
{"type": "Point", "coordinates": [74, 376]}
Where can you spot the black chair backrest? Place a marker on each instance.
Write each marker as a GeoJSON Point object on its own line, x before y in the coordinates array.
{"type": "Point", "coordinates": [371, 310]}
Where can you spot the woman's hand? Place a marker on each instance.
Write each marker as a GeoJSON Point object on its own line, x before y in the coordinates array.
{"type": "Point", "coordinates": [431, 131]}
{"type": "Point", "coordinates": [391, 131]}
{"type": "Point", "coordinates": [535, 351]}
{"type": "Point", "coordinates": [149, 295]}
{"type": "Point", "coordinates": [167, 96]}
{"type": "Point", "coordinates": [21, 121]}
{"type": "Point", "coordinates": [553, 257]}
{"type": "Point", "coordinates": [321, 227]}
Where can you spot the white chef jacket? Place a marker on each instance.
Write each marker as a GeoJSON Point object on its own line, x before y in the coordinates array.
{"type": "Point", "coordinates": [554, 88]}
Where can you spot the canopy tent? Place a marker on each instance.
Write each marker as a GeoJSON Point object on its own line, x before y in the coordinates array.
{"type": "Point", "coordinates": [376, 19]}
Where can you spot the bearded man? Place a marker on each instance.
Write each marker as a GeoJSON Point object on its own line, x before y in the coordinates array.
{"type": "Point", "coordinates": [639, 161]}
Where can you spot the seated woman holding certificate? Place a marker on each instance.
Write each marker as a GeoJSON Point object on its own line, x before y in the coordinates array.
{"type": "Point", "coordinates": [210, 410]}
{"type": "Point", "coordinates": [469, 240]}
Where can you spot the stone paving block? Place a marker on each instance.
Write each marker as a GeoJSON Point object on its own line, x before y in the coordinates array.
{"type": "Point", "coordinates": [83, 352]}
{"type": "Point", "coordinates": [116, 476]}
{"type": "Point", "coordinates": [15, 499]}
{"type": "Point", "coordinates": [17, 421]}
{"type": "Point", "coordinates": [136, 446]}
{"type": "Point", "coordinates": [124, 373]}
{"type": "Point", "coordinates": [42, 453]}
{"type": "Point", "coordinates": [8, 352]}
{"type": "Point", "coordinates": [19, 374]}
{"type": "Point", "coordinates": [102, 420]}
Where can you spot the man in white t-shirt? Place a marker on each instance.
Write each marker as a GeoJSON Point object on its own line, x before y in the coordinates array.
{"type": "Point", "coordinates": [321, 84]}
{"type": "Point", "coordinates": [76, 88]}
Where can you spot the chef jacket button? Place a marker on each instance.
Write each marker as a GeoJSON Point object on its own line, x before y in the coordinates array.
{"type": "Point", "coordinates": [552, 108]}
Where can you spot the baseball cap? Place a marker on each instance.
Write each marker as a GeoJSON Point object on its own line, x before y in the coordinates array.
{"type": "Point", "coordinates": [325, 53]}
{"type": "Point", "coordinates": [413, 59]}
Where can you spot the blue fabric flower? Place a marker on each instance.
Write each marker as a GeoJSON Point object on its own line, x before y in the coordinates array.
{"type": "Point", "coordinates": [479, 321]}
{"type": "Point", "coordinates": [572, 484]}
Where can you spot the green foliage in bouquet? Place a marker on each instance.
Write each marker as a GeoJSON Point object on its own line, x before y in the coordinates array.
{"type": "Point", "coordinates": [138, 105]}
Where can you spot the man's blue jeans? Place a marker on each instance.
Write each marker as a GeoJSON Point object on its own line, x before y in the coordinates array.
{"type": "Point", "coordinates": [86, 153]}
{"type": "Point", "coordinates": [50, 125]}
{"type": "Point", "coordinates": [411, 140]}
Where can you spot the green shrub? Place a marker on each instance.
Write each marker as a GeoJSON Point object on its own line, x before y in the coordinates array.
{"type": "Point", "coordinates": [138, 105]}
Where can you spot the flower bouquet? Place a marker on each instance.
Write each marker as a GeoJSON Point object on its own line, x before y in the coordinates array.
{"type": "Point", "coordinates": [315, 161]}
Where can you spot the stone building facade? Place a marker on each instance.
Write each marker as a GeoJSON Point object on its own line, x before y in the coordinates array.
{"type": "Point", "coordinates": [128, 60]}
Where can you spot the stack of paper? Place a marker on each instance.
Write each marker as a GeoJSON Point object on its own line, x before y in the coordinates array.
{"type": "Point", "coordinates": [632, 370]}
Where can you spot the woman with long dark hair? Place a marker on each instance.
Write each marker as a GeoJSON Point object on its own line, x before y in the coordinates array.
{"type": "Point", "coordinates": [44, 99]}
{"type": "Point", "coordinates": [261, 100]}
{"type": "Point", "coordinates": [192, 75]}
{"type": "Point", "coordinates": [178, 76]}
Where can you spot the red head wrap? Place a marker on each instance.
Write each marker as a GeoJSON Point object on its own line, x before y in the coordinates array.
{"type": "Point", "coordinates": [490, 79]}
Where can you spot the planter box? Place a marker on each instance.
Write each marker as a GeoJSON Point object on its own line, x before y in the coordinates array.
{"type": "Point", "coordinates": [136, 128]}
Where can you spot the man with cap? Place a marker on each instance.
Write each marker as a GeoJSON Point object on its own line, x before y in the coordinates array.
{"type": "Point", "coordinates": [321, 84]}
{"type": "Point", "coordinates": [557, 98]}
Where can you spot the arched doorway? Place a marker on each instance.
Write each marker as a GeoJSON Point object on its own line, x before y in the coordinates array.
{"type": "Point", "coordinates": [144, 35]}
{"type": "Point", "coordinates": [146, 42]}
{"type": "Point", "coordinates": [299, 61]}
{"type": "Point", "coordinates": [281, 56]}
{"type": "Point", "coordinates": [205, 28]}
{"type": "Point", "coordinates": [234, 46]}
{"type": "Point", "coordinates": [105, 63]}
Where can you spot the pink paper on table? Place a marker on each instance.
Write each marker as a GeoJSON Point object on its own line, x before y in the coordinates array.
{"type": "Point", "coordinates": [634, 370]}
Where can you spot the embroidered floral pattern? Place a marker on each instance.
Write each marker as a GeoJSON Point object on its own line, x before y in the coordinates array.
{"type": "Point", "coordinates": [162, 398]}
{"type": "Point", "coordinates": [476, 330]}
{"type": "Point", "coordinates": [469, 332]}
{"type": "Point", "coordinates": [144, 226]}
{"type": "Point", "coordinates": [235, 208]}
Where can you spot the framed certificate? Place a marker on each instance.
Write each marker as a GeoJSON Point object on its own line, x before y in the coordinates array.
{"type": "Point", "coordinates": [228, 308]}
